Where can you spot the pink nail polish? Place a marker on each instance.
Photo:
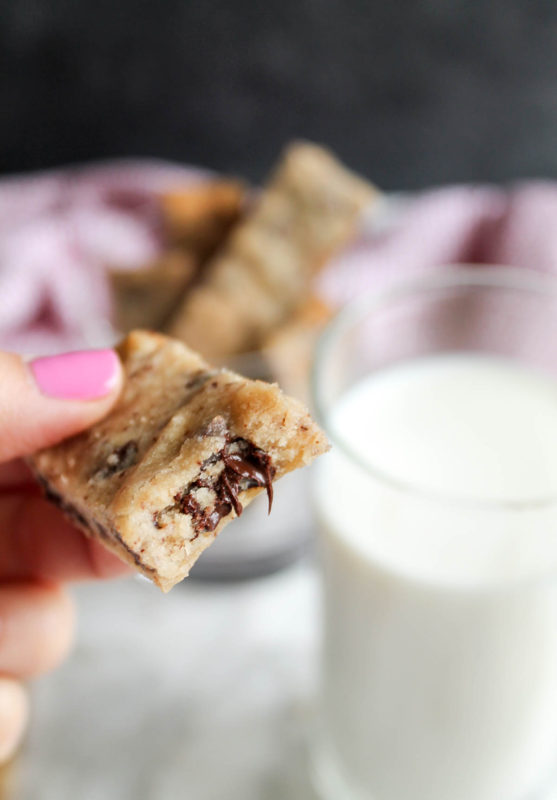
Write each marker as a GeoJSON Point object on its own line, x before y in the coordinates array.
{"type": "Point", "coordinates": [83, 375]}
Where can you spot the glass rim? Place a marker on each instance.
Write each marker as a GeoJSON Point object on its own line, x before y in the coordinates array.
{"type": "Point", "coordinates": [458, 276]}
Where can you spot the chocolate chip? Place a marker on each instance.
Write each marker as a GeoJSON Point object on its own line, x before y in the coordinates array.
{"type": "Point", "coordinates": [198, 379]}
{"type": "Point", "coordinates": [118, 460]}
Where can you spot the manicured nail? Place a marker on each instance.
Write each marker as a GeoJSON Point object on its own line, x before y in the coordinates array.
{"type": "Point", "coordinates": [83, 375]}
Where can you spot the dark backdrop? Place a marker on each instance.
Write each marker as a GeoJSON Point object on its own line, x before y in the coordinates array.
{"type": "Point", "coordinates": [411, 93]}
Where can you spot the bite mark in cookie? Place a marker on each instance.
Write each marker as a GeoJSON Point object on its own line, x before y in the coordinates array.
{"type": "Point", "coordinates": [242, 466]}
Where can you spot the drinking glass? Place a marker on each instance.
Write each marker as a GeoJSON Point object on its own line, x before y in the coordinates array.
{"type": "Point", "coordinates": [439, 665]}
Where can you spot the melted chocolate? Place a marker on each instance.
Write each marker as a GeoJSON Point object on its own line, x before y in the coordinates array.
{"type": "Point", "coordinates": [203, 519]}
{"type": "Point", "coordinates": [254, 465]}
{"type": "Point", "coordinates": [245, 469]}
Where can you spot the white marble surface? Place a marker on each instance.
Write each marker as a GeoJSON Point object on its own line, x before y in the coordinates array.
{"type": "Point", "coordinates": [202, 694]}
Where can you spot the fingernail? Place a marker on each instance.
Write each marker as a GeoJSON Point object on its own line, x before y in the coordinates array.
{"type": "Point", "coordinates": [83, 375]}
{"type": "Point", "coordinates": [14, 713]}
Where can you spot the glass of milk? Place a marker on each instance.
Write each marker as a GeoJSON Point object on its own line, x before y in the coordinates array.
{"type": "Point", "coordinates": [438, 516]}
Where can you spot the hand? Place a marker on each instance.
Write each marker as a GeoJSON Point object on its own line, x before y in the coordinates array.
{"type": "Point", "coordinates": [41, 403]}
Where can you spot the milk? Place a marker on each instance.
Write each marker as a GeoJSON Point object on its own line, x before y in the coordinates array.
{"type": "Point", "coordinates": [440, 560]}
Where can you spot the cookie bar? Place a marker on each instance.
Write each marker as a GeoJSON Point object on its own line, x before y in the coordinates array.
{"type": "Point", "coordinates": [195, 221]}
{"type": "Point", "coordinates": [186, 448]}
{"type": "Point", "coordinates": [200, 217]}
{"type": "Point", "coordinates": [289, 349]}
{"type": "Point", "coordinates": [309, 209]}
{"type": "Point", "coordinates": [147, 297]}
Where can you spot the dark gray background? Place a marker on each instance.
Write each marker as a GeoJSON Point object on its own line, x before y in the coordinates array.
{"type": "Point", "coordinates": [410, 93]}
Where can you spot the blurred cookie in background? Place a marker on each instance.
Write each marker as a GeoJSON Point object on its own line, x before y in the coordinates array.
{"type": "Point", "coordinates": [195, 221]}
{"type": "Point", "coordinates": [147, 297]}
{"type": "Point", "coordinates": [199, 218]}
{"type": "Point", "coordinates": [289, 349]}
{"type": "Point", "coordinates": [309, 209]}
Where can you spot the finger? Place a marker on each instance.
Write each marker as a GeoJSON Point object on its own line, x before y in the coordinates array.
{"type": "Point", "coordinates": [51, 398]}
{"type": "Point", "coordinates": [36, 628]}
{"type": "Point", "coordinates": [15, 473]}
{"type": "Point", "coordinates": [14, 713]}
{"type": "Point", "coordinates": [36, 540]}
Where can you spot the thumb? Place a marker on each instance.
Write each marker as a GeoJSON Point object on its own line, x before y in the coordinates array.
{"type": "Point", "coordinates": [48, 399]}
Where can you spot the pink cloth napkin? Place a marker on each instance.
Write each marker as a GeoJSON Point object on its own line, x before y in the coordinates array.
{"type": "Point", "coordinates": [61, 231]}
{"type": "Point", "coordinates": [452, 225]}
{"type": "Point", "coordinates": [426, 235]}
